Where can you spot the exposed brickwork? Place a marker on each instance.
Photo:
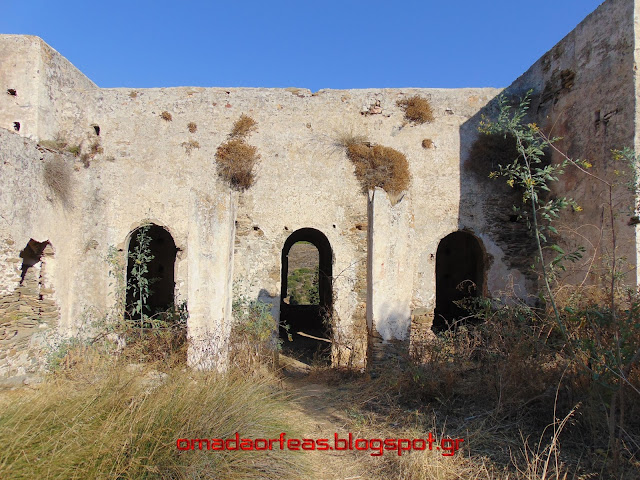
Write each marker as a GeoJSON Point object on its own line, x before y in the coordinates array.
{"type": "Point", "coordinates": [28, 314]}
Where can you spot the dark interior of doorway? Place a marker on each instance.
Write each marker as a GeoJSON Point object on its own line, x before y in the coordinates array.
{"type": "Point", "coordinates": [307, 336]}
{"type": "Point", "coordinates": [459, 275]}
{"type": "Point", "coordinates": [160, 270]}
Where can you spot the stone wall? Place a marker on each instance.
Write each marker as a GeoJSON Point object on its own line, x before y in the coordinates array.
{"type": "Point", "coordinates": [134, 156]}
{"type": "Point", "coordinates": [584, 91]}
{"type": "Point", "coordinates": [28, 314]}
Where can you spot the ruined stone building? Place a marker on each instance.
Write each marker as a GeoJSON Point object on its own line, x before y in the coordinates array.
{"type": "Point", "coordinates": [83, 167]}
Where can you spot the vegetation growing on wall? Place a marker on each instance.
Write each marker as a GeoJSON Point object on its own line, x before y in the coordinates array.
{"type": "Point", "coordinates": [190, 146]}
{"type": "Point", "coordinates": [94, 149]}
{"type": "Point", "coordinates": [417, 109]}
{"type": "Point", "coordinates": [60, 144]}
{"type": "Point", "coordinates": [377, 165]}
{"type": "Point", "coordinates": [57, 176]}
{"type": "Point", "coordinates": [596, 335]}
{"type": "Point", "coordinates": [235, 158]}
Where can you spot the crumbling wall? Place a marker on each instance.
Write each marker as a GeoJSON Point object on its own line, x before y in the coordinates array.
{"type": "Point", "coordinates": [148, 155]}
{"type": "Point", "coordinates": [28, 314]}
{"type": "Point", "coordinates": [583, 91]}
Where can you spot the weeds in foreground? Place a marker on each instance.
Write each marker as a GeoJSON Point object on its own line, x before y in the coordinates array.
{"type": "Point", "coordinates": [104, 418]}
{"type": "Point", "coordinates": [602, 339]}
{"type": "Point", "coordinates": [254, 341]}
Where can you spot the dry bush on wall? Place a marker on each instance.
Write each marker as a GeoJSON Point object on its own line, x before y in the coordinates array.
{"type": "Point", "coordinates": [377, 165]}
{"type": "Point", "coordinates": [236, 158]}
{"type": "Point", "coordinates": [243, 127]}
{"type": "Point", "coordinates": [417, 109]}
{"type": "Point", "coordinates": [57, 177]}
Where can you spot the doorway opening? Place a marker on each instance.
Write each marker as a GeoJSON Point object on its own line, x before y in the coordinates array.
{"type": "Point", "coordinates": [154, 247]}
{"type": "Point", "coordinates": [306, 296]}
{"type": "Point", "coordinates": [459, 275]}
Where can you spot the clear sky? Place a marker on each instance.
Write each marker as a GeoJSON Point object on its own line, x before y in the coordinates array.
{"type": "Point", "coordinates": [304, 43]}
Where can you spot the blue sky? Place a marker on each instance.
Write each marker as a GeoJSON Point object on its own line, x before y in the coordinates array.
{"type": "Point", "coordinates": [307, 44]}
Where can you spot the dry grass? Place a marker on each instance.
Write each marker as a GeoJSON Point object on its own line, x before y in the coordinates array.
{"type": "Point", "coordinates": [105, 419]}
{"type": "Point", "coordinates": [235, 158]}
{"type": "Point", "coordinates": [192, 127]}
{"type": "Point", "coordinates": [55, 144]}
{"type": "Point", "coordinates": [190, 146]}
{"type": "Point", "coordinates": [60, 144]}
{"type": "Point", "coordinates": [166, 116]}
{"type": "Point", "coordinates": [243, 127]}
{"type": "Point", "coordinates": [57, 177]}
{"type": "Point", "coordinates": [417, 109]}
{"type": "Point", "coordinates": [95, 149]}
{"type": "Point", "coordinates": [377, 165]}
{"type": "Point", "coordinates": [344, 139]}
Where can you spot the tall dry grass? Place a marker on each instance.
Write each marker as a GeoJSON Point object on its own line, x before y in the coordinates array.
{"type": "Point", "coordinates": [105, 419]}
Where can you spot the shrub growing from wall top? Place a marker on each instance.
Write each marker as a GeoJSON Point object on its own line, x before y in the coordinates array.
{"type": "Point", "coordinates": [377, 165]}
{"type": "Point", "coordinates": [417, 109]}
{"type": "Point", "coordinates": [235, 158]}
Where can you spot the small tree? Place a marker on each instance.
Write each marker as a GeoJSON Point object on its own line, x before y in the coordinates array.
{"type": "Point", "coordinates": [603, 339]}
{"type": "Point", "coordinates": [532, 174]}
{"type": "Point", "coordinates": [139, 282]}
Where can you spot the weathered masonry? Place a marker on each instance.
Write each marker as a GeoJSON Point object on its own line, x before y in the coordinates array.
{"type": "Point", "coordinates": [82, 168]}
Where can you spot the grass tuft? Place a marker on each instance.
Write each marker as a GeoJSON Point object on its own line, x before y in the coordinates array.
{"type": "Point", "coordinates": [235, 158]}
{"type": "Point", "coordinates": [190, 146]}
{"type": "Point", "coordinates": [57, 176]}
{"type": "Point", "coordinates": [243, 127]}
{"type": "Point", "coordinates": [427, 143]}
{"type": "Point", "coordinates": [417, 109]}
{"type": "Point", "coordinates": [111, 420]}
{"type": "Point", "coordinates": [192, 127]}
{"type": "Point", "coordinates": [166, 116]}
{"type": "Point", "coordinates": [376, 165]}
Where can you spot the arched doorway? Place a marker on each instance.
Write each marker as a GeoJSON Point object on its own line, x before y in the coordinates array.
{"type": "Point", "coordinates": [154, 247]}
{"type": "Point", "coordinates": [306, 295]}
{"type": "Point", "coordinates": [459, 275]}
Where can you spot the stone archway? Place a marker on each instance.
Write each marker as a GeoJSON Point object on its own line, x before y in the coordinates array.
{"type": "Point", "coordinates": [305, 304]}
{"type": "Point", "coordinates": [161, 269]}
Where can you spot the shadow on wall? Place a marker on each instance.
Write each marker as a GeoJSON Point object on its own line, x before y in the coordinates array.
{"type": "Point", "coordinates": [486, 204]}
